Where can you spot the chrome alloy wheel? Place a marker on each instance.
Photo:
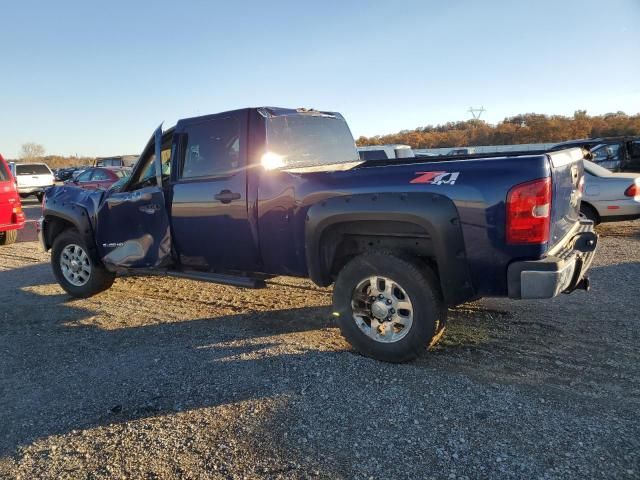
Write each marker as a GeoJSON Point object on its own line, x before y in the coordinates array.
{"type": "Point", "coordinates": [75, 265]}
{"type": "Point", "coordinates": [382, 309]}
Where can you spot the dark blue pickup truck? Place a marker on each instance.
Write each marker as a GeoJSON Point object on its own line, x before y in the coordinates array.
{"type": "Point", "coordinates": [242, 196]}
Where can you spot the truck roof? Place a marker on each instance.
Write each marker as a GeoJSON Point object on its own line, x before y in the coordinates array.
{"type": "Point", "coordinates": [271, 112]}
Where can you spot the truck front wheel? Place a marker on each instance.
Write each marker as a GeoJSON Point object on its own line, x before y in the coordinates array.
{"type": "Point", "coordinates": [389, 307]}
{"type": "Point", "coordinates": [75, 270]}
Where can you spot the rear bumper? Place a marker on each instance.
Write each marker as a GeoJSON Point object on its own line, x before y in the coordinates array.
{"type": "Point", "coordinates": [563, 272]}
{"type": "Point", "coordinates": [11, 226]}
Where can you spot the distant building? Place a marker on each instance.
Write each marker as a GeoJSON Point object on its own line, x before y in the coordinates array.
{"type": "Point", "coordinates": [116, 161]}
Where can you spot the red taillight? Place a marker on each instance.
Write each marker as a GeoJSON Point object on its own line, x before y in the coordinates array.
{"type": "Point", "coordinates": [529, 212]}
{"type": "Point", "coordinates": [17, 214]}
{"type": "Point", "coordinates": [632, 191]}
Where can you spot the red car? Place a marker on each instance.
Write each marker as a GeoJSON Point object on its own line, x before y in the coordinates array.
{"type": "Point", "coordinates": [11, 215]}
{"type": "Point", "coordinates": [99, 177]}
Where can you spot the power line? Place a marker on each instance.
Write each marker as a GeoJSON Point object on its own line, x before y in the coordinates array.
{"type": "Point", "coordinates": [476, 112]}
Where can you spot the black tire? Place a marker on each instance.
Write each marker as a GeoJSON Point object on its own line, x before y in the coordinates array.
{"type": "Point", "coordinates": [40, 196]}
{"type": "Point", "coordinates": [419, 283]}
{"type": "Point", "coordinates": [8, 237]}
{"type": "Point", "coordinates": [99, 279]}
{"type": "Point", "coordinates": [24, 195]}
{"type": "Point", "coordinates": [590, 212]}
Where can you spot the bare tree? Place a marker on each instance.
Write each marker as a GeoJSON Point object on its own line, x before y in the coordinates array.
{"type": "Point", "coordinates": [31, 151]}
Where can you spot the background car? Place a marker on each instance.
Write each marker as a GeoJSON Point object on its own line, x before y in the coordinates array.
{"type": "Point", "coordinates": [608, 196]}
{"type": "Point", "coordinates": [99, 177]}
{"type": "Point", "coordinates": [33, 179]}
{"type": "Point", "coordinates": [618, 154]}
{"type": "Point", "coordinates": [12, 217]}
{"type": "Point", "coordinates": [64, 174]}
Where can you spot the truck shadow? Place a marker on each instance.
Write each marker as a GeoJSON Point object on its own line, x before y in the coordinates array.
{"type": "Point", "coordinates": [59, 374]}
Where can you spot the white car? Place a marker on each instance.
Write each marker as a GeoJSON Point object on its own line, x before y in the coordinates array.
{"type": "Point", "coordinates": [33, 179]}
{"type": "Point", "coordinates": [608, 196]}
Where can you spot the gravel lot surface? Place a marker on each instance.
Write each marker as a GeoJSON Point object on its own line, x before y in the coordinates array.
{"type": "Point", "coordinates": [163, 378]}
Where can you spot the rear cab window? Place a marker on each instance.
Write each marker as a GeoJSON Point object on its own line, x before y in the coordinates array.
{"type": "Point", "coordinates": [32, 169]}
{"type": "Point", "coordinates": [308, 139]}
{"type": "Point", "coordinates": [100, 175]}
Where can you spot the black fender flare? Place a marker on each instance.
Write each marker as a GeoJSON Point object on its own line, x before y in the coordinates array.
{"type": "Point", "coordinates": [73, 214]}
{"type": "Point", "coordinates": [434, 213]}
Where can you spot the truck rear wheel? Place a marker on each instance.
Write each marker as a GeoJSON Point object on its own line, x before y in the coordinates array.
{"type": "Point", "coordinates": [389, 308]}
{"type": "Point", "coordinates": [8, 237]}
{"type": "Point", "coordinates": [75, 270]}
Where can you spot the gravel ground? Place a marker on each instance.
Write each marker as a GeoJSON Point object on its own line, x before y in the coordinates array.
{"type": "Point", "coordinates": [164, 378]}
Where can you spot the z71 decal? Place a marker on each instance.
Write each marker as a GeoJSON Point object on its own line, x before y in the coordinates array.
{"type": "Point", "coordinates": [436, 178]}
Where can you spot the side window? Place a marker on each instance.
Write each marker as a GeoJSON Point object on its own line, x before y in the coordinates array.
{"type": "Point", "coordinates": [99, 175]}
{"type": "Point", "coordinates": [607, 152]}
{"type": "Point", "coordinates": [212, 148]}
{"type": "Point", "coordinates": [84, 176]}
{"type": "Point", "coordinates": [4, 174]}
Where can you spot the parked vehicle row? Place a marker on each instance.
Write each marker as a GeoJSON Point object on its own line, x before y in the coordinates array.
{"type": "Point", "coordinates": [241, 196]}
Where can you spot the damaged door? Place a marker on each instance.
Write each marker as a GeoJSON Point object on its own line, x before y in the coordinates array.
{"type": "Point", "coordinates": [132, 226]}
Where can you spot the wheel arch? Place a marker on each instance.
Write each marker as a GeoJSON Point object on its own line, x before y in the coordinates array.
{"type": "Point", "coordinates": [59, 220]}
{"type": "Point", "coordinates": [423, 225]}
{"type": "Point", "coordinates": [595, 210]}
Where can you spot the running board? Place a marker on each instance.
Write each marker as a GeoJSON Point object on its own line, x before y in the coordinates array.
{"type": "Point", "coordinates": [236, 281]}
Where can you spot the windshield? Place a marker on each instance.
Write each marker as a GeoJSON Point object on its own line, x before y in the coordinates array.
{"type": "Point", "coordinates": [295, 141]}
{"type": "Point", "coordinates": [32, 169]}
{"type": "Point", "coordinates": [596, 170]}
{"type": "Point", "coordinates": [606, 152]}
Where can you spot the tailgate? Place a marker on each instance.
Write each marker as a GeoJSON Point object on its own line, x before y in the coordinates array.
{"type": "Point", "coordinates": [34, 180]}
{"type": "Point", "coordinates": [567, 176]}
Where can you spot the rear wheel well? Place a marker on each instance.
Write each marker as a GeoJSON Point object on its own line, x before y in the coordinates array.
{"type": "Point", "coordinates": [344, 241]}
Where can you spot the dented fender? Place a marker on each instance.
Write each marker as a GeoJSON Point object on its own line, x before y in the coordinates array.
{"type": "Point", "coordinates": [71, 205]}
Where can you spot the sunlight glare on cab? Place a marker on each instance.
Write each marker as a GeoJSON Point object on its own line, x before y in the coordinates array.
{"type": "Point", "coordinates": [271, 160]}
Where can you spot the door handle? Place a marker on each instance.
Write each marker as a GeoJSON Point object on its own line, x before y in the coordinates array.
{"type": "Point", "coordinates": [227, 196]}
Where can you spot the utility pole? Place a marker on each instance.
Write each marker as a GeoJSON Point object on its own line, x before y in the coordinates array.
{"type": "Point", "coordinates": [476, 112]}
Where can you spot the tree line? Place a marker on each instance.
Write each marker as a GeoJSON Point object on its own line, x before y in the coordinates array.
{"type": "Point", "coordinates": [524, 128]}
{"type": "Point", "coordinates": [31, 152]}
